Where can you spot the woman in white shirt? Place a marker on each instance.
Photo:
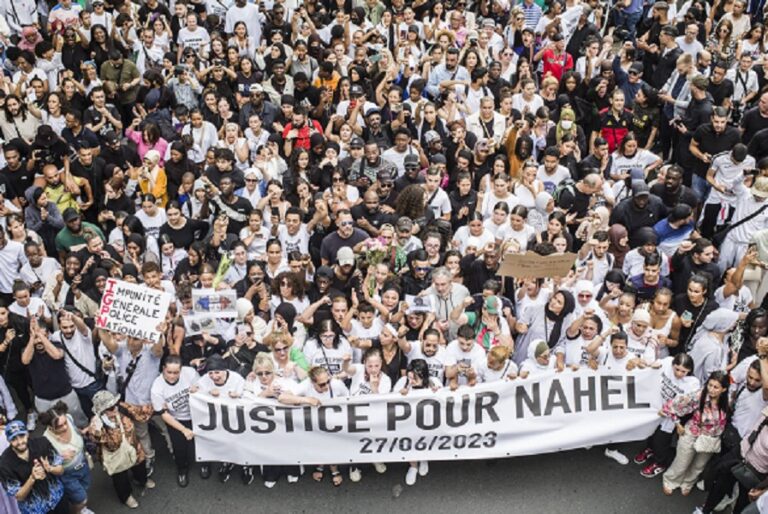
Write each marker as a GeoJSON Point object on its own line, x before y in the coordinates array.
{"type": "Point", "coordinates": [629, 157]}
{"type": "Point", "coordinates": [473, 234]}
{"type": "Point", "coordinates": [499, 193]}
{"type": "Point", "coordinates": [517, 232]}
{"type": "Point", "coordinates": [497, 366]}
{"type": "Point", "coordinates": [203, 134]}
{"type": "Point", "coordinates": [328, 348]}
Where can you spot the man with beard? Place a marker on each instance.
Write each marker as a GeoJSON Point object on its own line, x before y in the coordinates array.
{"type": "Point", "coordinates": [15, 178]}
{"type": "Point", "coordinates": [30, 469]}
{"type": "Point", "coordinates": [72, 236]}
{"type": "Point", "coordinates": [373, 130]}
{"type": "Point", "coordinates": [642, 209]}
{"type": "Point", "coordinates": [412, 175]}
{"type": "Point", "coordinates": [672, 191]}
{"type": "Point", "coordinates": [90, 167]}
{"type": "Point", "coordinates": [345, 235]}
{"type": "Point", "coordinates": [477, 270]}
{"type": "Point", "coordinates": [364, 172]}
{"type": "Point", "coordinates": [278, 84]}
{"type": "Point", "coordinates": [50, 380]}
{"type": "Point", "coordinates": [385, 189]}
{"type": "Point", "coordinates": [418, 277]}
{"type": "Point", "coordinates": [600, 159]}
{"type": "Point", "coordinates": [224, 201]}
{"type": "Point", "coordinates": [260, 106]}
{"type": "Point", "coordinates": [369, 215]}
{"type": "Point", "coordinates": [101, 117]}
{"type": "Point", "coordinates": [298, 132]}
{"type": "Point", "coordinates": [114, 152]}
{"type": "Point", "coordinates": [707, 141]}
{"type": "Point", "coordinates": [445, 76]}
{"type": "Point", "coordinates": [75, 133]}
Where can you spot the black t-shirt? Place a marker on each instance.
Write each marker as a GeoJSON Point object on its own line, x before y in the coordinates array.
{"type": "Point", "coordinates": [20, 180]}
{"type": "Point", "coordinates": [683, 195]}
{"type": "Point", "coordinates": [576, 202]}
{"type": "Point", "coordinates": [376, 219]}
{"type": "Point", "coordinates": [93, 117]}
{"type": "Point", "coordinates": [680, 305]}
{"type": "Point", "coordinates": [15, 471]}
{"type": "Point", "coordinates": [237, 211]}
{"type": "Point", "coordinates": [720, 91]}
{"type": "Point", "coordinates": [215, 175]}
{"type": "Point", "coordinates": [50, 380]}
{"type": "Point", "coordinates": [395, 368]}
{"type": "Point", "coordinates": [193, 230]}
{"type": "Point", "coordinates": [713, 143]}
{"type": "Point", "coordinates": [752, 122]}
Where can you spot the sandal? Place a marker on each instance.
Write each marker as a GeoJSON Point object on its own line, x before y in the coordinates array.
{"type": "Point", "coordinates": [336, 478]}
{"type": "Point", "coordinates": [318, 474]}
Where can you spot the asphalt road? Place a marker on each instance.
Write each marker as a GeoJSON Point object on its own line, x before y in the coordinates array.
{"type": "Point", "coordinates": [574, 482]}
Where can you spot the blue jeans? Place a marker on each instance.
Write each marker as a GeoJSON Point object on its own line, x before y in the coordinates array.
{"type": "Point", "coordinates": [76, 483]}
{"type": "Point", "coordinates": [701, 187]}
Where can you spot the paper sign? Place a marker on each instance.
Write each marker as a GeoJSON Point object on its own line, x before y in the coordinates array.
{"type": "Point", "coordinates": [196, 324]}
{"type": "Point", "coordinates": [132, 309]}
{"type": "Point", "coordinates": [216, 304]}
{"type": "Point", "coordinates": [418, 303]}
{"type": "Point", "coordinates": [533, 265]}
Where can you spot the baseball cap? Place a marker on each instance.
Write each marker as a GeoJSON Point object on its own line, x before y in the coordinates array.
{"type": "Point", "coordinates": [70, 214]}
{"type": "Point", "coordinates": [111, 137]}
{"type": "Point", "coordinates": [404, 224]}
{"type": "Point", "coordinates": [15, 429]}
{"type": "Point", "coordinates": [345, 256]}
{"type": "Point", "coordinates": [372, 111]}
{"type": "Point", "coordinates": [324, 272]}
{"type": "Point", "coordinates": [411, 160]}
{"type": "Point", "coordinates": [492, 305]}
{"type": "Point", "coordinates": [256, 88]}
{"type": "Point", "coordinates": [385, 176]}
{"type": "Point", "coordinates": [431, 136]}
{"type": "Point", "coordinates": [640, 188]}
{"type": "Point", "coordinates": [356, 90]}
{"type": "Point", "coordinates": [438, 158]}
{"type": "Point", "coordinates": [636, 67]}
{"type": "Point", "coordinates": [356, 142]}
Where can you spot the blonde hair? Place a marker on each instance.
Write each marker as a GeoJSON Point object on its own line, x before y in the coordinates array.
{"type": "Point", "coordinates": [499, 353]}
{"type": "Point", "coordinates": [549, 81]}
{"type": "Point", "coordinates": [278, 337]}
{"type": "Point", "coordinates": [263, 360]}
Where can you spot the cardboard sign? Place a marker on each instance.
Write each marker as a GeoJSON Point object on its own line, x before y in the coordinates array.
{"type": "Point", "coordinates": [132, 309]}
{"type": "Point", "coordinates": [533, 265]}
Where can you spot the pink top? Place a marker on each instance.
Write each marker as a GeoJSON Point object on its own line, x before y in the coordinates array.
{"type": "Point", "coordinates": [142, 147]}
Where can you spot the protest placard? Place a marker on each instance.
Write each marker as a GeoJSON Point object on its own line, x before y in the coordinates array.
{"type": "Point", "coordinates": [132, 309]}
{"type": "Point", "coordinates": [216, 304]}
{"type": "Point", "coordinates": [533, 265]}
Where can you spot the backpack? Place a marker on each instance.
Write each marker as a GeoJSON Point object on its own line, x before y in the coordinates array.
{"type": "Point", "coordinates": [565, 185]}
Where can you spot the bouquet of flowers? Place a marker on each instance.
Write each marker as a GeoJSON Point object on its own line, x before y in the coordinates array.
{"type": "Point", "coordinates": [374, 253]}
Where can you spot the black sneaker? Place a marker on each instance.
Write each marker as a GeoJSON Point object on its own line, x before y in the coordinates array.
{"type": "Point", "coordinates": [205, 471]}
{"type": "Point", "coordinates": [225, 472]}
{"type": "Point", "coordinates": [182, 479]}
{"type": "Point", "coordinates": [150, 467]}
{"type": "Point", "coordinates": [247, 475]}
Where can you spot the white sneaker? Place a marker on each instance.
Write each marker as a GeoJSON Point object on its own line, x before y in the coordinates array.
{"type": "Point", "coordinates": [292, 479]}
{"type": "Point", "coordinates": [31, 420]}
{"type": "Point", "coordinates": [355, 475]}
{"type": "Point", "coordinates": [617, 456]}
{"type": "Point", "coordinates": [410, 476]}
{"type": "Point", "coordinates": [86, 510]}
{"type": "Point", "coordinates": [380, 467]}
{"type": "Point", "coordinates": [423, 468]}
{"type": "Point", "coordinates": [269, 485]}
{"type": "Point", "coordinates": [150, 484]}
{"type": "Point", "coordinates": [698, 510]}
{"type": "Point", "coordinates": [131, 503]}
{"type": "Point", "coordinates": [700, 485]}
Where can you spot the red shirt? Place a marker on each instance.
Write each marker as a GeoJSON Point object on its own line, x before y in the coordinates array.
{"type": "Point", "coordinates": [556, 64]}
{"type": "Point", "coordinates": [302, 140]}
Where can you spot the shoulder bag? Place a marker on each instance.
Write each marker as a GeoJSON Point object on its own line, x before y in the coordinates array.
{"type": "Point", "coordinates": [122, 459]}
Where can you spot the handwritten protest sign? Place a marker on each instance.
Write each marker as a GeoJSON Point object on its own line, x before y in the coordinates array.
{"type": "Point", "coordinates": [133, 310]}
{"type": "Point", "coordinates": [532, 265]}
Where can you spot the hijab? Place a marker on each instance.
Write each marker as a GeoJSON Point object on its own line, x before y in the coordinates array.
{"type": "Point", "coordinates": [569, 304]}
{"type": "Point", "coordinates": [616, 233]}
{"type": "Point", "coordinates": [719, 320]}
{"type": "Point", "coordinates": [288, 312]}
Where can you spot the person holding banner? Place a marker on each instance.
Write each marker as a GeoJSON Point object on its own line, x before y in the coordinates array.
{"type": "Point", "coordinates": [328, 349]}
{"type": "Point", "coordinates": [367, 378]}
{"type": "Point", "coordinates": [700, 437]}
{"type": "Point", "coordinates": [544, 322]}
{"type": "Point", "coordinates": [497, 366]}
{"type": "Point", "coordinates": [319, 386]}
{"type": "Point", "coordinates": [428, 348]}
{"type": "Point", "coordinates": [416, 378]}
{"type": "Point", "coordinates": [265, 382]}
{"type": "Point", "coordinates": [170, 397]}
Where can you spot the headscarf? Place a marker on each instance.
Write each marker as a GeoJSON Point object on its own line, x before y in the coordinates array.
{"type": "Point", "coordinates": [605, 215]}
{"type": "Point", "coordinates": [616, 233]}
{"type": "Point", "coordinates": [288, 312]}
{"type": "Point", "coordinates": [152, 156]}
{"type": "Point", "coordinates": [719, 320]}
{"type": "Point", "coordinates": [569, 304]}
{"type": "Point", "coordinates": [541, 202]}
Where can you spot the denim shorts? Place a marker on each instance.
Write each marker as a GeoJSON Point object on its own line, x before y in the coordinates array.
{"type": "Point", "coordinates": [76, 483]}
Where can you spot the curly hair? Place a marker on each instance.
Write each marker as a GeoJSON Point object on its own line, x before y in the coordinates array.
{"type": "Point", "coordinates": [410, 202]}
{"type": "Point", "coordinates": [294, 279]}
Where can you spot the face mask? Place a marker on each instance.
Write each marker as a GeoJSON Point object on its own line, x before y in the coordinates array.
{"type": "Point", "coordinates": [566, 124]}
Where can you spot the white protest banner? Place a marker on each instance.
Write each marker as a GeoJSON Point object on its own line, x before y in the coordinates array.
{"type": "Point", "coordinates": [548, 413]}
{"type": "Point", "coordinates": [132, 309]}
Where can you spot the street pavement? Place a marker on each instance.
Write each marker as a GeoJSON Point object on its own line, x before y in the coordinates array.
{"type": "Point", "coordinates": [573, 482]}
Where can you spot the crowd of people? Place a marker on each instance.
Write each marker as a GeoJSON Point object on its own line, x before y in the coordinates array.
{"type": "Point", "coordinates": [355, 172]}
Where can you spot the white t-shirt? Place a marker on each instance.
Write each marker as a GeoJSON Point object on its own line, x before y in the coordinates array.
{"type": "Point", "coordinates": [455, 356]}
{"type": "Point", "coordinates": [174, 398]}
{"type": "Point", "coordinates": [152, 224]}
{"type": "Point", "coordinates": [534, 368]}
{"type": "Point", "coordinates": [81, 348]}
{"type": "Point", "coordinates": [575, 351]}
{"type": "Point", "coordinates": [234, 384]}
{"type": "Point", "coordinates": [199, 39]}
{"type": "Point", "coordinates": [672, 387]}
{"type": "Point", "coordinates": [440, 204]}
{"type": "Point", "coordinates": [729, 174]}
{"type": "Point", "coordinates": [640, 160]}
{"type": "Point", "coordinates": [641, 347]}
{"type": "Point", "coordinates": [552, 181]}
{"type": "Point", "coordinates": [606, 360]}
{"type": "Point", "coordinates": [435, 363]}
{"type": "Point", "coordinates": [465, 239]}
{"type": "Point", "coordinates": [519, 103]}
{"type": "Point", "coordinates": [361, 385]}
{"type": "Point", "coordinates": [329, 358]}
{"type": "Point", "coordinates": [486, 374]}
{"type": "Point", "coordinates": [146, 370]}
{"type": "Point", "coordinates": [337, 389]}
{"type": "Point", "coordinates": [360, 332]}
{"type": "Point", "coordinates": [738, 302]}
{"type": "Point", "coordinates": [748, 404]}
{"type": "Point", "coordinates": [298, 242]}
{"type": "Point", "coordinates": [507, 233]}
{"type": "Point", "coordinates": [34, 306]}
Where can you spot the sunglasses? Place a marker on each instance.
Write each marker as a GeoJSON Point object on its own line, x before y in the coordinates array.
{"type": "Point", "coordinates": [337, 179]}
{"type": "Point", "coordinates": [384, 185]}
{"type": "Point", "coordinates": [251, 180]}
{"type": "Point", "coordinates": [263, 373]}
{"type": "Point", "coordinates": [424, 269]}
{"type": "Point", "coordinates": [281, 350]}
{"type": "Point", "coordinates": [322, 384]}
{"type": "Point", "coordinates": [347, 223]}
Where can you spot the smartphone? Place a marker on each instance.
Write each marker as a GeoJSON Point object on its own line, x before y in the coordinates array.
{"type": "Point", "coordinates": [276, 211]}
{"type": "Point", "coordinates": [687, 316]}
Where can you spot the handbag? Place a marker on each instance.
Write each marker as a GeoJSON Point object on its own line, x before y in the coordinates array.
{"type": "Point", "coordinates": [707, 444]}
{"type": "Point", "coordinates": [746, 475]}
{"type": "Point", "coordinates": [123, 458]}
